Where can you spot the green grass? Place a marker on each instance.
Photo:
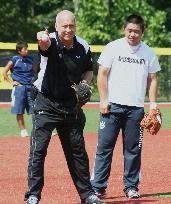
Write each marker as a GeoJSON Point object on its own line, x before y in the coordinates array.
{"type": "Point", "coordinates": [161, 195]}
{"type": "Point", "coordinates": [166, 118]}
{"type": "Point", "coordinates": [93, 119]}
{"type": "Point", "coordinates": [8, 124]}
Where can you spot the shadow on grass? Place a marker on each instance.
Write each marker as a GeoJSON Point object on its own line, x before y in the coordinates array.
{"type": "Point", "coordinates": [139, 201]}
{"type": "Point", "coordinates": [132, 202]}
{"type": "Point", "coordinates": [163, 195]}
{"type": "Point", "coordinates": [127, 201]}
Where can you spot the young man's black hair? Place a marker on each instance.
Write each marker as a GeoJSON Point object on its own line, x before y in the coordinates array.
{"type": "Point", "coordinates": [135, 19]}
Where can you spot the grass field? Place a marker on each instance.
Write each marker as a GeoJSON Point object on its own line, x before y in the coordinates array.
{"type": "Point", "coordinates": [8, 124]}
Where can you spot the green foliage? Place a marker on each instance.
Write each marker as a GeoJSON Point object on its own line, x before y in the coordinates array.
{"type": "Point", "coordinates": [103, 21]}
{"type": "Point", "coordinates": [156, 34]}
{"type": "Point", "coordinates": [45, 12]}
{"type": "Point", "coordinates": [99, 21]}
{"type": "Point", "coordinates": [8, 15]}
{"type": "Point", "coordinates": [92, 17]}
{"type": "Point", "coordinates": [23, 19]}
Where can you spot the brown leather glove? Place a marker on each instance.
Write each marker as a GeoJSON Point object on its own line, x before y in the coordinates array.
{"type": "Point", "coordinates": [152, 121]}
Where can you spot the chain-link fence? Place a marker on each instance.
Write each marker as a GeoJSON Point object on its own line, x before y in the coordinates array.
{"type": "Point", "coordinates": [7, 50]}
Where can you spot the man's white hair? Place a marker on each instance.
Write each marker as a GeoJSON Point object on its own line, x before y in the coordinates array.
{"type": "Point", "coordinates": [64, 13]}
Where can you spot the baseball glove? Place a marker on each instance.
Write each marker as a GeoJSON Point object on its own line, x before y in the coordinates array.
{"type": "Point", "coordinates": [152, 121]}
{"type": "Point", "coordinates": [83, 93]}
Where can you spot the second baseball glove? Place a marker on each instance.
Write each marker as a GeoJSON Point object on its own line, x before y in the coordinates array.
{"type": "Point", "coordinates": [152, 121]}
{"type": "Point", "coordinates": [83, 93]}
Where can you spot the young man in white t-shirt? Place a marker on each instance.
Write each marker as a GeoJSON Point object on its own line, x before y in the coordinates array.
{"type": "Point", "coordinates": [127, 68]}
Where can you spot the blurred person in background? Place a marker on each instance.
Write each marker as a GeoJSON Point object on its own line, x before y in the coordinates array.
{"type": "Point", "coordinates": [22, 70]}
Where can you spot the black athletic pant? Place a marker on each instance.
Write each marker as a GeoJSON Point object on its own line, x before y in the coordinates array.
{"type": "Point", "coordinates": [69, 123]}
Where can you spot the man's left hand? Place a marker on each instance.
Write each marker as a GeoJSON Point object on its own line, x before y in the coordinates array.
{"type": "Point", "coordinates": [152, 121]}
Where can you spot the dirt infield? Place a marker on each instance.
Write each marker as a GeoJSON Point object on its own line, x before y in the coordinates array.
{"type": "Point", "coordinates": [59, 189]}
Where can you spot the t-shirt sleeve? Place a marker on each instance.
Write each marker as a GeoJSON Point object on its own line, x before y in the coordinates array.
{"type": "Point", "coordinates": [106, 58]}
{"type": "Point", "coordinates": [14, 59]}
{"type": "Point", "coordinates": [154, 65]}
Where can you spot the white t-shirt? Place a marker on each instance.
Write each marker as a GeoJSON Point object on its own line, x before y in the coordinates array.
{"type": "Point", "coordinates": [129, 67]}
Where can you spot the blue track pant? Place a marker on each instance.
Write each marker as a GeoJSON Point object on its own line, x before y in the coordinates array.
{"type": "Point", "coordinates": [127, 119]}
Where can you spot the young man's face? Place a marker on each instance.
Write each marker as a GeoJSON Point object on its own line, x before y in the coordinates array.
{"type": "Point", "coordinates": [23, 52]}
{"type": "Point", "coordinates": [133, 33]}
{"type": "Point", "coordinates": [66, 28]}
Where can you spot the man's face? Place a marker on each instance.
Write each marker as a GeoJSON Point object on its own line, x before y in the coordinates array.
{"type": "Point", "coordinates": [66, 27]}
{"type": "Point", "coordinates": [133, 33]}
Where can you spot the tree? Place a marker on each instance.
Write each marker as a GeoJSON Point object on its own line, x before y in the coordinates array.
{"type": "Point", "coordinates": [99, 21]}
{"type": "Point", "coordinates": [22, 19]}
{"type": "Point", "coordinates": [103, 20]}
